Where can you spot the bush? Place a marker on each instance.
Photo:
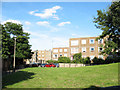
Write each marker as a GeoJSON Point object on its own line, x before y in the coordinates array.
{"type": "Point", "coordinates": [112, 60]}
{"type": "Point", "coordinates": [64, 60]}
{"type": "Point", "coordinates": [95, 60]}
{"type": "Point", "coordinates": [98, 60]}
{"type": "Point", "coordinates": [86, 60]}
{"type": "Point", "coordinates": [78, 57]}
{"type": "Point", "coordinates": [52, 61]}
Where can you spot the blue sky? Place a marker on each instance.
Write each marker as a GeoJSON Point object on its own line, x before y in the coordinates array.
{"type": "Point", "coordinates": [52, 24]}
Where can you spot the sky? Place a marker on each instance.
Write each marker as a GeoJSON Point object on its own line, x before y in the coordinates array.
{"type": "Point", "coordinates": [52, 24]}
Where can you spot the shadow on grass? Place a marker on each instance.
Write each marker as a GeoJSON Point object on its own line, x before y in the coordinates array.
{"type": "Point", "coordinates": [102, 88]}
{"type": "Point", "coordinates": [16, 77]}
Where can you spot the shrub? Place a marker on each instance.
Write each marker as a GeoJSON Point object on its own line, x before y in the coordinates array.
{"type": "Point", "coordinates": [78, 57]}
{"type": "Point", "coordinates": [112, 60]}
{"type": "Point", "coordinates": [98, 60]}
{"type": "Point", "coordinates": [109, 60]}
{"type": "Point", "coordinates": [64, 60]}
{"type": "Point", "coordinates": [117, 59]}
{"type": "Point", "coordinates": [52, 61]}
{"type": "Point", "coordinates": [86, 60]}
{"type": "Point", "coordinates": [95, 60]}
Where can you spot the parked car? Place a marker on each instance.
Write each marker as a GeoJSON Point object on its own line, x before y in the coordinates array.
{"type": "Point", "coordinates": [43, 65]}
{"type": "Point", "coordinates": [39, 64]}
{"type": "Point", "coordinates": [35, 64]}
{"type": "Point", "coordinates": [57, 64]}
{"type": "Point", "coordinates": [50, 65]}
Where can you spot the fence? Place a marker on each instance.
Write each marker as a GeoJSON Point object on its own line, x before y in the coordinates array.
{"type": "Point", "coordinates": [72, 65]}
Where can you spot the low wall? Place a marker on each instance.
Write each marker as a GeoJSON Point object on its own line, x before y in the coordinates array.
{"type": "Point", "coordinates": [72, 65]}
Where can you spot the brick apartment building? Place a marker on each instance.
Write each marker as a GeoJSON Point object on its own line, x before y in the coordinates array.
{"type": "Point", "coordinates": [88, 46]}
{"type": "Point", "coordinates": [44, 55]}
{"type": "Point", "coordinates": [60, 52]}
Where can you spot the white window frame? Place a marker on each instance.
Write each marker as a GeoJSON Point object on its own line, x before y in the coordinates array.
{"type": "Point", "coordinates": [99, 41]}
{"type": "Point", "coordinates": [55, 56]}
{"type": "Point", "coordinates": [92, 50]}
{"type": "Point", "coordinates": [99, 49]}
{"type": "Point", "coordinates": [60, 50]}
{"type": "Point", "coordinates": [92, 42]}
{"type": "Point", "coordinates": [83, 41]}
{"type": "Point", "coordinates": [65, 55]}
{"type": "Point", "coordinates": [74, 42]}
{"type": "Point", "coordinates": [42, 55]}
{"type": "Point", "coordinates": [65, 50]}
{"type": "Point", "coordinates": [55, 50]}
{"type": "Point", "coordinates": [74, 50]}
{"type": "Point", "coordinates": [83, 49]}
{"type": "Point", "coordinates": [61, 54]}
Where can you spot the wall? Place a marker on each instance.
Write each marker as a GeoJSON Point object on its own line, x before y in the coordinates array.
{"type": "Point", "coordinates": [72, 65]}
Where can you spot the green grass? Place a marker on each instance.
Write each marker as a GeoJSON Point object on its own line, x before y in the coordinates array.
{"type": "Point", "coordinates": [79, 77]}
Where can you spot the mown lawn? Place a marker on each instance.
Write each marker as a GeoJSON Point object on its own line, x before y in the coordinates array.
{"type": "Point", "coordinates": [79, 77]}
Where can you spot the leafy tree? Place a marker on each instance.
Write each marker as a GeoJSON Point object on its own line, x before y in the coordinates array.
{"type": "Point", "coordinates": [64, 60]}
{"type": "Point", "coordinates": [78, 57]}
{"type": "Point", "coordinates": [6, 43]}
{"type": "Point", "coordinates": [109, 22]}
{"type": "Point", "coordinates": [23, 50]}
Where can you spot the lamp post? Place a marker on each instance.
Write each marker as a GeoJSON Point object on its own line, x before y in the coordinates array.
{"type": "Point", "coordinates": [14, 54]}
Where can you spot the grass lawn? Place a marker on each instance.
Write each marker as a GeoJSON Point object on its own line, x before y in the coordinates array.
{"type": "Point", "coordinates": [78, 77]}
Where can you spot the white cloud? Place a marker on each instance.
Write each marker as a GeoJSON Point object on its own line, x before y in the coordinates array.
{"type": "Point", "coordinates": [13, 21]}
{"type": "Point", "coordinates": [47, 13]}
{"type": "Point", "coordinates": [27, 23]}
{"type": "Point", "coordinates": [63, 23]}
{"type": "Point", "coordinates": [32, 12]}
{"type": "Point", "coordinates": [43, 23]}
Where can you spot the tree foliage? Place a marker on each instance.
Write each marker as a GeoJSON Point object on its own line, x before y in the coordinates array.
{"type": "Point", "coordinates": [109, 22]}
{"type": "Point", "coordinates": [77, 57]}
{"type": "Point", "coordinates": [23, 50]}
{"type": "Point", "coordinates": [64, 60]}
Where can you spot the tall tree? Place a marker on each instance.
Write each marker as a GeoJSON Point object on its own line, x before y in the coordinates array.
{"type": "Point", "coordinates": [109, 22]}
{"type": "Point", "coordinates": [23, 50]}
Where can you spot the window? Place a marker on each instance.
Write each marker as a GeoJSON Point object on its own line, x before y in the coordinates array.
{"type": "Point", "coordinates": [91, 57]}
{"type": "Point", "coordinates": [91, 41]}
{"type": "Point", "coordinates": [55, 50]}
{"type": "Point", "coordinates": [74, 50]}
{"type": "Point", "coordinates": [74, 42]}
{"type": "Point", "coordinates": [92, 49]}
{"type": "Point", "coordinates": [100, 41]}
{"type": "Point", "coordinates": [55, 55]}
{"type": "Point", "coordinates": [60, 55]}
{"type": "Point", "coordinates": [65, 55]}
{"type": "Point", "coordinates": [60, 50]}
{"type": "Point", "coordinates": [42, 52]}
{"type": "Point", "coordinates": [83, 41]}
{"type": "Point", "coordinates": [100, 56]}
{"type": "Point", "coordinates": [84, 49]}
{"type": "Point", "coordinates": [42, 55]}
{"type": "Point", "coordinates": [100, 49]}
{"type": "Point", "coordinates": [65, 50]}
